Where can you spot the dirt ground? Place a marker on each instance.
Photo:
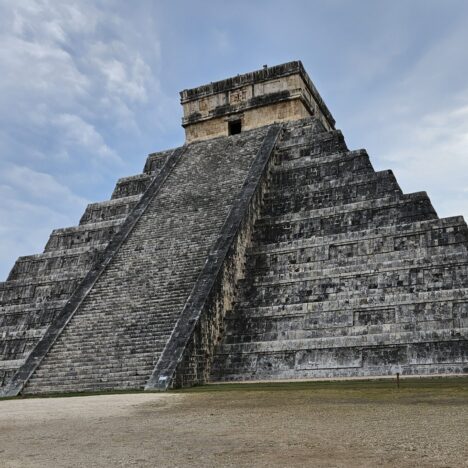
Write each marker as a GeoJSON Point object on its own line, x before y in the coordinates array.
{"type": "Point", "coordinates": [320, 424]}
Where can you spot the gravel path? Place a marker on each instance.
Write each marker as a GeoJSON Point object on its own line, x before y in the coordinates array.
{"type": "Point", "coordinates": [316, 425]}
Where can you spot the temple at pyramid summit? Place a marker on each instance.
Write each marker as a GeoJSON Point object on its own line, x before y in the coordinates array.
{"type": "Point", "coordinates": [261, 249]}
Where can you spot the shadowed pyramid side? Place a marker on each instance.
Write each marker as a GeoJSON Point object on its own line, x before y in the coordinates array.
{"type": "Point", "coordinates": [347, 276]}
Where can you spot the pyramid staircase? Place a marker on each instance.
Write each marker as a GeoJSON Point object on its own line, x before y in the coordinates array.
{"type": "Point", "coordinates": [276, 253]}
{"type": "Point", "coordinates": [346, 276]}
{"type": "Point", "coordinates": [122, 320]}
{"type": "Point", "coordinates": [39, 286]}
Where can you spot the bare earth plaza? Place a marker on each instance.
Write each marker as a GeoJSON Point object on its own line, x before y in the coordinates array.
{"type": "Point", "coordinates": [317, 424]}
{"type": "Point", "coordinates": [260, 296]}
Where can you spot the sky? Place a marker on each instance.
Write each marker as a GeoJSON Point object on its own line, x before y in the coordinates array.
{"type": "Point", "coordinates": [88, 88]}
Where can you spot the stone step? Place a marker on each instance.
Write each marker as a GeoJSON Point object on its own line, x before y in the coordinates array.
{"type": "Point", "coordinates": [345, 218]}
{"type": "Point", "coordinates": [87, 234]}
{"type": "Point", "coordinates": [301, 262]}
{"type": "Point", "coordinates": [80, 341]}
{"type": "Point", "coordinates": [132, 364]}
{"type": "Point", "coordinates": [134, 376]}
{"type": "Point", "coordinates": [302, 127]}
{"type": "Point", "coordinates": [311, 143]}
{"type": "Point", "coordinates": [377, 339]}
{"type": "Point", "coordinates": [167, 308]}
{"type": "Point", "coordinates": [87, 355]}
{"type": "Point", "coordinates": [383, 202]}
{"type": "Point", "coordinates": [166, 311]}
{"type": "Point", "coordinates": [163, 321]}
{"type": "Point", "coordinates": [240, 322]}
{"type": "Point", "coordinates": [89, 388]}
{"type": "Point", "coordinates": [122, 325]}
{"type": "Point", "coordinates": [262, 369]}
{"type": "Point", "coordinates": [46, 278]}
{"type": "Point", "coordinates": [155, 161]}
{"type": "Point", "coordinates": [84, 362]}
{"type": "Point", "coordinates": [90, 383]}
{"type": "Point", "coordinates": [28, 325]}
{"type": "Point", "coordinates": [61, 261]}
{"type": "Point", "coordinates": [341, 182]}
{"type": "Point", "coordinates": [128, 338]}
{"type": "Point", "coordinates": [110, 370]}
{"type": "Point", "coordinates": [298, 333]}
{"type": "Point", "coordinates": [166, 305]}
{"type": "Point", "coordinates": [131, 186]}
{"type": "Point", "coordinates": [10, 364]}
{"type": "Point", "coordinates": [136, 373]}
{"type": "Point", "coordinates": [69, 382]}
{"type": "Point", "coordinates": [284, 163]}
{"type": "Point", "coordinates": [427, 233]}
{"type": "Point", "coordinates": [109, 210]}
{"type": "Point", "coordinates": [94, 383]}
{"type": "Point", "coordinates": [14, 333]}
{"type": "Point", "coordinates": [37, 293]}
{"type": "Point", "coordinates": [366, 303]}
{"type": "Point", "coordinates": [450, 276]}
{"type": "Point", "coordinates": [321, 169]}
{"type": "Point", "coordinates": [17, 349]}
{"type": "Point", "coordinates": [345, 190]}
{"type": "Point", "coordinates": [439, 256]}
{"type": "Point", "coordinates": [362, 361]}
{"type": "Point", "coordinates": [13, 310]}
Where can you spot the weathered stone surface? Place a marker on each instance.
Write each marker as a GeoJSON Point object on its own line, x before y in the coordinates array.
{"type": "Point", "coordinates": [188, 354]}
{"type": "Point", "coordinates": [273, 94]}
{"type": "Point", "coordinates": [273, 253]}
{"type": "Point", "coordinates": [118, 332]}
{"type": "Point", "coordinates": [39, 286]}
{"type": "Point", "coordinates": [347, 276]}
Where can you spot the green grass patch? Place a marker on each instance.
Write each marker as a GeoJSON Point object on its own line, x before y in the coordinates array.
{"type": "Point", "coordinates": [441, 390]}
{"type": "Point", "coordinates": [423, 389]}
{"type": "Point", "coordinates": [427, 383]}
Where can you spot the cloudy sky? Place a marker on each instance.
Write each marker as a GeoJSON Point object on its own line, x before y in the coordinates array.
{"type": "Point", "coordinates": [89, 87]}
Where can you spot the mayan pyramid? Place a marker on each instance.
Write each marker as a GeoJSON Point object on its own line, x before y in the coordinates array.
{"type": "Point", "coordinates": [263, 248]}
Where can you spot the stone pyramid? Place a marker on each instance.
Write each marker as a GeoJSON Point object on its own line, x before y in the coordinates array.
{"type": "Point", "coordinates": [261, 249]}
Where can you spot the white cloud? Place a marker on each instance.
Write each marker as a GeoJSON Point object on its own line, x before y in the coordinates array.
{"type": "Point", "coordinates": [75, 132]}
{"type": "Point", "coordinates": [432, 154]}
{"type": "Point", "coordinates": [417, 122]}
{"type": "Point", "coordinates": [122, 78]}
{"type": "Point", "coordinates": [76, 81]}
{"type": "Point", "coordinates": [25, 183]}
{"type": "Point", "coordinates": [32, 202]}
{"type": "Point", "coordinates": [221, 40]}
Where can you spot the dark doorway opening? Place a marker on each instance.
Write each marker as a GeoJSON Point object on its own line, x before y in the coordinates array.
{"type": "Point", "coordinates": [234, 127]}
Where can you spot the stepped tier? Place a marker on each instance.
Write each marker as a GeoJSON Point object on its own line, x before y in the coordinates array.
{"type": "Point", "coordinates": [110, 210]}
{"type": "Point", "coordinates": [329, 193]}
{"type": "Point", "coordinates": [346, 276]}
{"type": "Point", "coordinates": [354, 216]}
{"type": "Point", "coordinates": [133, 185]}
